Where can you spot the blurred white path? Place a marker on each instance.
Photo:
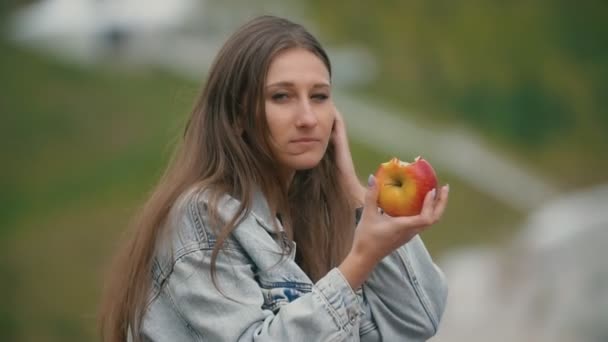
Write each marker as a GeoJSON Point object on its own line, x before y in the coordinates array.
{"type": "Point", "coordinates": [454, 150]}
{"type": "Point", "coordinates": [550, 284]}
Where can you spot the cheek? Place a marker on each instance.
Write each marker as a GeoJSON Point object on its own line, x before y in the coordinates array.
{"type": "Point", "coordinates": [276, 122]}
{"type": "Point", "coordinates": [327, 123]}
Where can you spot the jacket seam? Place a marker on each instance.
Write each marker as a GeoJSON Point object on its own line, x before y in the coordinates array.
{"type": "Point", "coordinates": [367, 323]}
{"type": "Point", "coordinates": [333, 313]}
{"type": "Point", "coordinates": [332, 310]}
{"type": "Point", "coordinates": [367, 327]}
{"type": "Point", "coordinates": [204, 239]}
{"type": "Point", "coordinates": [345, 324]}
{"type": "Point", "coordinates": [176, 307]}
{"type": "Point", "coordinates": [417, 288]}
{"type": "Point", "coordinates": [194, 214]}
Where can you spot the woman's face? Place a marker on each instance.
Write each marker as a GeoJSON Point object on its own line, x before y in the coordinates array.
{"type": "Point", "coordinates": [299, 109]}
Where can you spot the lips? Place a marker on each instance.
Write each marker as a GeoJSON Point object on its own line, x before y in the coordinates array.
{"type": "Point", "coordinates": [304, 140]}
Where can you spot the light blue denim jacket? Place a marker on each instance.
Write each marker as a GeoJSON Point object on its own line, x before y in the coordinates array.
{"type": "Point", "coordinates": [269, 298]}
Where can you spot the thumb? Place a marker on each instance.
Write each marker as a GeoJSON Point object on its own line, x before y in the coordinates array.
{"type": "Point", "coordinates": [371, 196]}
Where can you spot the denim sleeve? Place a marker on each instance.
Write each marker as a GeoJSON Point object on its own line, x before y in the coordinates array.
{"type": "Point", "coordinates": [330, 312]}
{"type": "Point", "coordinates": [404, 297]}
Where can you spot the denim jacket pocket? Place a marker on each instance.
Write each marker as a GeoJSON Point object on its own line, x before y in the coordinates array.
{"type": "Point", "coordinates": [277, 294]}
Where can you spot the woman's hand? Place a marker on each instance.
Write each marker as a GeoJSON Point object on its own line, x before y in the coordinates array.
{"type": "Point", "coordinates": [378, 235]}
{"type": "Point", "coordinates": [344, 159]}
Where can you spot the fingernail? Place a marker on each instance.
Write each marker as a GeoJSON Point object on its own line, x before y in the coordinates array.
{"type": "Point", "coordinates": [371, 181]}
{"type": "Point", "coordinates": [434, 193]}
{"type": "Point", "coordinates": [447, 187]}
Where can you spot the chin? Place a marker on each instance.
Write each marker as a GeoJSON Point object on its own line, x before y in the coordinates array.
{"type": "Point", "coordinates": [304, 162]}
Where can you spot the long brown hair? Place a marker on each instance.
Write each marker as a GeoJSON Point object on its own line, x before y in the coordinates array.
{"type": "Point", "coordinates": [225, 150]}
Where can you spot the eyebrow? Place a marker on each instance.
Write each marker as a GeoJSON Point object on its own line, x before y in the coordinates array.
{"type": "Point", "coordinates": [291, 84]}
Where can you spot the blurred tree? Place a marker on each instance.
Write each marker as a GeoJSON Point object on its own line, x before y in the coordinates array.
{"type": "Point", "coordinates": [508, 68]}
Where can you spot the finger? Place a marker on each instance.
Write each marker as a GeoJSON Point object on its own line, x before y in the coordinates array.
{"type": "Point", "coordinates": [426, 214]}
{"type": "Point", "coordinates": [425, 217]}
{"type": "Point", "coordinates": [428, 203]}
{"type": "Point", "coordinates": [336, 130]}
{"type": "Point", "coordinates": [442, 202]}
{"type": "Point", "coordinates": [338, 125]}
{"type": "Point", "coordinates": [370, 205]}
{"type": "Point", "coordinates": [337, 114]}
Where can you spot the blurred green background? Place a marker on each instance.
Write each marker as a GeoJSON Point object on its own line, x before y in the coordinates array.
{"type": "Point", "coordinates": [83, 145]}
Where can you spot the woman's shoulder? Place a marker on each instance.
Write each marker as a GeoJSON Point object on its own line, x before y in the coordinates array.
{"type": "Point", "coordinates": [187, 229]}
{"type": "Point", "coordinates": [190, 220]}
{"type": "Point", "coordinates": [192, 225]}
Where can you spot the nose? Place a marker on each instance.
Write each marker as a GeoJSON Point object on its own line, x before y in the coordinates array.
{"type": "Point", "coordinates": [306, 116]}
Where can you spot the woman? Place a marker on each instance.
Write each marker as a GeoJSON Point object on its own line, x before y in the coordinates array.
{"type": "Point", "coordinates": [251, 233]}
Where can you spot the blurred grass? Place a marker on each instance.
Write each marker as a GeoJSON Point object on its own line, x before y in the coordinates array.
{"type": "Point", "coordinates": [71, 132]}
{"type": "Point", "coordinates": [84, 147]}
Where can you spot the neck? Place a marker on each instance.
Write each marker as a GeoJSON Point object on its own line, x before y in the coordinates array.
{"type": "Point", "coordinates": [286, 178]}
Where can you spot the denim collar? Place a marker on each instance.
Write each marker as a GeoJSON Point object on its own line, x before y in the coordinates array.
{"type": "Point", "coordinates": [261, 211]}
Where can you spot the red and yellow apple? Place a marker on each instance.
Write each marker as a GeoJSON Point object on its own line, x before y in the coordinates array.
{"type": "Point", "coordinates": [402, 186]}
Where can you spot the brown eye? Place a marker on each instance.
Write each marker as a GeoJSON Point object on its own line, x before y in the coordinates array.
{"type": "Point", "coordinates": [280, 96]}
{"type": "Point", "coordinates": [320, 97]}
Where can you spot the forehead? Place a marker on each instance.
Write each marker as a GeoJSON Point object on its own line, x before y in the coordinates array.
{"type": "Point", "coordinates": [297, 65]}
